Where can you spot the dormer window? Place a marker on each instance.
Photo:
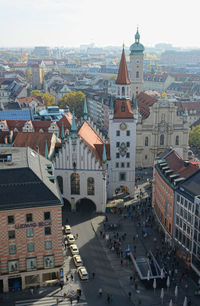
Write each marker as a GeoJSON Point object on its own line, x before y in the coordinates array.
{"type": "Point", "coordinates": [123, 91]}
{"type": "Point", "coordinates": [123, 107]}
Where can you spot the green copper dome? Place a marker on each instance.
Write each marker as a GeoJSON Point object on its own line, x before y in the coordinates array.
{"type": "Point", "coordinates": [137, 47]}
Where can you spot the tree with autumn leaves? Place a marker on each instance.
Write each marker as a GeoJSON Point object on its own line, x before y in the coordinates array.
{"type": "Point", "coordinates": [74, 100]}
{"type": "Point", "coordinates": [194, 138]}
{"type": "Point", "coordinates": [47, 98]}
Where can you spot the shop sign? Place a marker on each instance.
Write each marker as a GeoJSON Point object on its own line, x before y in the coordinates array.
{"type": "Point", "coordinates": [33, 224]}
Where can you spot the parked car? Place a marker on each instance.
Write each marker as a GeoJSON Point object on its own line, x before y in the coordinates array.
{"type": "Point", "coordinates": [67, 229]}
{"type": "Point", "coordinates": [82, 272]}
{"type": "Point", "coordinates": [74, 249]}
{"type": "Point", "coordinates": [70, 239]}
{"type": "Point", "coordinates": [77, 260]}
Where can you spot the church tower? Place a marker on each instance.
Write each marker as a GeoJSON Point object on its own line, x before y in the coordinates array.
{"type": "Point", "coordinates": [136, 66]}
{"type": "Point", "coordinates": [122, 135]}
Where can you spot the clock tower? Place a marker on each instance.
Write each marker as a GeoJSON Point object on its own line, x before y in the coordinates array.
{"type": "Point", "coordinates": [122, 135]}
{"type": "Point", "coordinates": [136, 66]}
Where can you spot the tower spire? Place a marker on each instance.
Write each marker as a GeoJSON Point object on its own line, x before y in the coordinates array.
{"type": "Point", "coordinates": [46, 150]}
{"type": "Point", "coordinates": [122, 77]}
{"type": "Point", "coordinates": [104, 158]}
{"type": "Point", "coordinates": [73, 128]}
{"type": "Point", "coordinates": [85, 111]}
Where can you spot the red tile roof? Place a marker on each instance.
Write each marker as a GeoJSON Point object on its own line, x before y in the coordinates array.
{"type": "Point", "coordinates": [122, 77]}
{"type": "Point", "coordinates": [30, 99]}
{"type": "Point", "coordinates": [176, 163]}
{"type": "Point", "coordinates": [36, 141]}
{"type": "Point", "coordinates": [89, 135]}
{"type": "Point", "coordinates": [99, 149]}
{"type": "Point", "coordinates": [66, 121]}
{"type": "Point", "coordinates": [128, 113]}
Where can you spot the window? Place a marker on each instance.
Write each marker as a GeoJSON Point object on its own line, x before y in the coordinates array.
{"type": "Point", "coordinates": [13, 266]}
{"type": "Point", "coordinates": [29, 217]}
{"type": "Point", "coordinates": [12, 249]}
{"type": "Point", "coordinates": [47, 215]}
{"type": "Point", "coordinates": [60, 183]}
{"type": "Point", "coordinates": [49, 261]}
{"type": "Point", "coordinates": [177, 140]}
{"type": "Point", "coordinates": [31, 263]}
{"type": "Point", "coordinates": [122, 176]}
{"type": "Point", "coordinates": [48, 245]}
{"type": "Point", "coordinates": [146, 142]}
{"type": "Point", "coordinates": [47, 230]}
{"type": "Point", "coordinates": [75, 183]}
{"type": "Point", "coordinates": [117, 165]}
{"type": "Point", "coordinates": [30, 247]}
{"type": "Point", "coordinates": [117, 133]}
{"type": "Point", "coordinates": [11, 219]}
{"type": "Point", "coordinates": [127, 155]}
{"type": "Point", "coordinates": [123, 107]}
{"type": "Point", "coordinates": [128, 133]}
{"type": "Point", "coordinates": [11, 234]}
{"type": "Point", "coordinates": [146, 157]}
{"type": "Point", "coordinates": [128, 165]}
{"type": "Point", "coordinates": [117, 155]}
{"type": "Point", "coordinates": [128, 144]}
{"type": "Point", "coordinates": [123, 92]}
{"type": "Point", "coordinates": [90, 186]}
{"type": "Point", "coordinates": [29, 232]}
{"type": "Point", "coordinates": [117, 144]}
{"type": "Point", "coordinates": [137, 74]}
{"type": "Point", "coordinates": [162, 140]}
{"type": "Point", "coordinates": [122, 165]}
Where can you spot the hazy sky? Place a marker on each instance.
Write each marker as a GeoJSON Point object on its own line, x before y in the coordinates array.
{"type": "Point", "coordinates": [104, 22]}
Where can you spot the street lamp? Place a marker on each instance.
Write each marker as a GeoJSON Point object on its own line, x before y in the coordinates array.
{"type": "Point", "coordinates": [168, 282]}
{"type": "Point", "coordinates": [162, 294]}
{"type": "Point", "coordinates": [154, 284]}
{"type": "Point", "coordinates": [185, 301]}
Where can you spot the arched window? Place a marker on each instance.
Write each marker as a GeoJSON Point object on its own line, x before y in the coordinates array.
{"type": "Point", "coordinates": [177, 140]}
{"type": "Point", "coordinates": [137, 74]}
{"type": "Point", "coordinates": [60, 183]}
{"type": "Point", "coordinates": [123, 107]}
{"type": "Point", "coordinates": [146, 141]}
{"type": "Point", "coordinates": [118, 92]}
{"type": "Point", "coordinates": [162, 140]}
{"type": "Point", "coordinates": [75, 183]}
{"type": "Point", "coordinates": [90, 186]}
{"type": "Point", "coordinates": [123, 91]}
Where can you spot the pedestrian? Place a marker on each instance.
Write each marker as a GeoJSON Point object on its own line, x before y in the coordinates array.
{"type": "Point", "coordinates": [111, 298]}
{"type": "Point", "coordinates": [67, 279]}
{"type": "Point", "coordinates": [71, 278]}
{"type": "Point", "coordinates": [121, 262]}
{"type": "Point", "coordinates": [129, 295]}
{"type": "Point", "coordinates": [57, 301]}
{"type": "Point", "coordinates": [76, 236]}
{"type": "Point", "coordinates": [64, 296]}
{"type": "Point", "coordinates": [93, 275]}
{"type": "Point", "coordinates": [131, 279]}
{"type": "Point", "coordinates": [71, 299]}
{"type": "Point", "coordinates": [61, 285]}
{"type": "Point", "coordinates": [78, 298]}
{"type": "Point", "coordinates": [108, 298]}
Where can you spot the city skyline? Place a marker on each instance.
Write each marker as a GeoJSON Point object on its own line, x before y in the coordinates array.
{"type": "Point", "coordinates": [70, 23]}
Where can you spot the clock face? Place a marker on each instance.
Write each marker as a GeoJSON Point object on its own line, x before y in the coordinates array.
{"type": "Point", "coordinates": [137, 61]}
{"type": "Point", "coordinates": [123, 126]}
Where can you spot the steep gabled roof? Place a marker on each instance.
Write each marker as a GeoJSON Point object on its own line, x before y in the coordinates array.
{"type": "Point", "coordinates": [144, 102]}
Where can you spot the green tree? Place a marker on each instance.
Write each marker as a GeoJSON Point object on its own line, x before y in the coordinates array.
{"type": "Point", "coordinates": [28, 74]}
{"type": "Point", "coordinates": [48, 99]}
{"type": "Point", "coordinates": [194, 138]}
{"type": "Point", "coordinates": [36, 93]}
{"type": "Point", "coordinates": [74, 100]}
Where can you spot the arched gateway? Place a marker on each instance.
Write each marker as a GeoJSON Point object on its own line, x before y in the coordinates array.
{"type": "Point", "coordinates": [85, 206]}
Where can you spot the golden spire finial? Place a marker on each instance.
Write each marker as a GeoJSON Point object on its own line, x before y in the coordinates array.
{"type": "Point", "coordinates": [123, 45]}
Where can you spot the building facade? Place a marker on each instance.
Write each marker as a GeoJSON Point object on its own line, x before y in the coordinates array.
{"type": "Point", "coordinates": [31, 251]}
{"type": "Point", "coordinates": [162, 129]}
{"type": "Point", "coordinates": [169, 171]}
